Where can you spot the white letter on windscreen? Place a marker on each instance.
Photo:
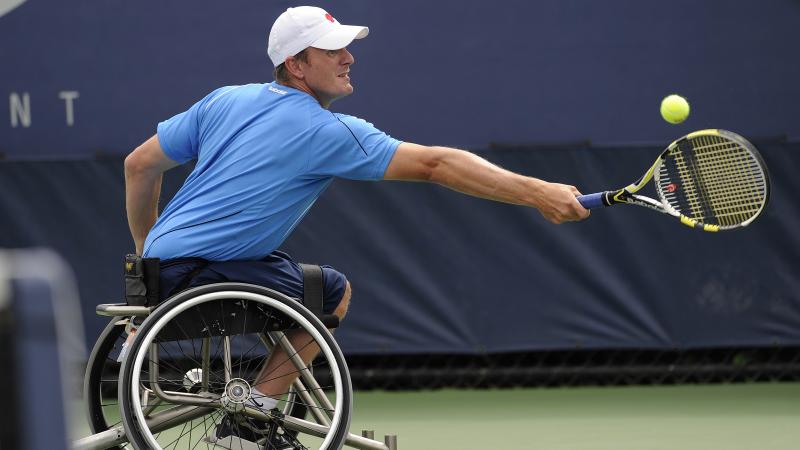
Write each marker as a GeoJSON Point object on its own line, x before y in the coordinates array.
{"type": "Point", "coordinates": [20, 109]}
{"type": "Point", "coordinates": [68, 97]}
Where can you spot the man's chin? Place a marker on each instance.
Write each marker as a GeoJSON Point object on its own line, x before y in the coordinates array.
{"type": "Point", "coordinates": [345, 92]}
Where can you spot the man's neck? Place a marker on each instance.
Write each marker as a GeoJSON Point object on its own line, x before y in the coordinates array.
{"type": "Point", "coordinates": [303, 87]}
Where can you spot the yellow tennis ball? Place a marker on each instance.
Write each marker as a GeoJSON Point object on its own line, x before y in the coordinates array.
{"type": "Point", "coordinates": [674, 108]}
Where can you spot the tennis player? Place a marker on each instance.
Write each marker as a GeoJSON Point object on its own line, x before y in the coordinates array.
{"type": "Point", "coordinates": [265, 152]}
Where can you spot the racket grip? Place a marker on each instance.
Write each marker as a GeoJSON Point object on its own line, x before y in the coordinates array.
{"type": "Point", "coordinates": [592, 201]}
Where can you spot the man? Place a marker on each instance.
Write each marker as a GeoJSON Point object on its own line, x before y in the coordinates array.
{"type": "Point", "coordinates": [265, 152]}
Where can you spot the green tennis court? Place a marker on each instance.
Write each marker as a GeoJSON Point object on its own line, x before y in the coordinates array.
{"type": "Point", "coordinates": [711, 417]}
{"type": "Point", "coordinates": [758, 416]}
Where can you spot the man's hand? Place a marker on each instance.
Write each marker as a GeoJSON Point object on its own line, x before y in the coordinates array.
{"type": "Point", "coordinates": [558, 203]}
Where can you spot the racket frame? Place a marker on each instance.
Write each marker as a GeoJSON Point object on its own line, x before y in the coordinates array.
{"type": "Point", "coordinates": [629, 195]}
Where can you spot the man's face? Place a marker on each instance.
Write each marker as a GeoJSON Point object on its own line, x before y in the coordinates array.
{"type": "Point", "coordinates": [327, 73]}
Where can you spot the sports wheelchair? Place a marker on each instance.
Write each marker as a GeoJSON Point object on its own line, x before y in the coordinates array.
{"type": "Point", "coordinates": [174, 371]}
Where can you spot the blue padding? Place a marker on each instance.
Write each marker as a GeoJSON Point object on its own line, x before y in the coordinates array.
{"type": "Point", "coordinates": [436, 271]}
{"type": "Point", "coordinates": [591, 201]}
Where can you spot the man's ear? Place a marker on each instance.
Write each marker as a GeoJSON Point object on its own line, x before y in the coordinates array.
{"type": "Point", "coordinates": [294, 67]}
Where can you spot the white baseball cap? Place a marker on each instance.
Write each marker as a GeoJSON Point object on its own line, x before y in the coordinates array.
{"type": "Point", "coordinates": [308, 26]}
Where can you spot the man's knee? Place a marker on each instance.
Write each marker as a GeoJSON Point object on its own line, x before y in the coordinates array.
{"type": "Point", "coordinates": [344, 303]}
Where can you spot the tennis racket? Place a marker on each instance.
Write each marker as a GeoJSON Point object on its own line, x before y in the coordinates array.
{"type": "Point", "coordinates": [711, 180]}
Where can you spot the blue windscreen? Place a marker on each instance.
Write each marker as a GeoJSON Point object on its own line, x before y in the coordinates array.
{"type": "Point", "coordinates": [82, 78]}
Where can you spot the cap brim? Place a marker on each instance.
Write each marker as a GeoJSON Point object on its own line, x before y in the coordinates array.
{"type": "Point", "coordinates": [340, 37]}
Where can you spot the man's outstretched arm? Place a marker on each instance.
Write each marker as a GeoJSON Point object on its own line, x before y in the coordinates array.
{"type": "Point", "coordinates": [470, 174]}
{"type": "Point", "coordinates": [143, 173]}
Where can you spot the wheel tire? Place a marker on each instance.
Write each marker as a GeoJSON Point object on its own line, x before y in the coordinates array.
{"type": "Point", "coordinates": [100, 381]}
{"type": "Point", "coordinates": [180, 313]}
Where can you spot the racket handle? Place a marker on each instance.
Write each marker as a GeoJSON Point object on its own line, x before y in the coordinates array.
{"type": "Point", "coordinates": [592, 201]}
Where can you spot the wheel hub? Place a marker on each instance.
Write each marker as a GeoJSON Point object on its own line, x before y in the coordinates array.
{"type": "Point", "coordinates": [237, 391]}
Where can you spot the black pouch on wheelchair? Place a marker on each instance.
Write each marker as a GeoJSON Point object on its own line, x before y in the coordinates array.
{"type": "Point", "coordinates": [141, 280]}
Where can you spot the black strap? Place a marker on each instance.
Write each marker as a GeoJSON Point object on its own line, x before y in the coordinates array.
{"type": "Point", "coordinates": [312, 288]}
{"type": "Point", "coordinates": [184, 283]}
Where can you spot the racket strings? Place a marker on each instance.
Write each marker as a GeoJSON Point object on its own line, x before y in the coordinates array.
{"type": "Point", "coordinates": [720, 197]}
{"type": "Point", "coordinates": [721, 182]}
{"type": "Point", "coordinates": [693, 203]}
{"type": "Point", "coordinates": [736, 193]}
{"type": "Point", "coordinates": [730, 184]}
{"type": "Point", "coordinates": [712, 204]}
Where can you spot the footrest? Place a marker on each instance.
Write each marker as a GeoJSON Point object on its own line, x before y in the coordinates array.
{"type": "Point", "coordinates": [121, 309]}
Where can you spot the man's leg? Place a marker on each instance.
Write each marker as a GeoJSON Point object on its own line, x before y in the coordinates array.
{"type": "Point", "coordinates": [278, 373]}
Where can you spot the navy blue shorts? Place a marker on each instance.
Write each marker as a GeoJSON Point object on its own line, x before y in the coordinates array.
{"type": "Point", "coordinates": [277, 271]}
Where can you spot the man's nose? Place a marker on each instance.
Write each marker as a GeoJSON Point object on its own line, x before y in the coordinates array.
{"type": "Point", "coordinates": [348, 57]}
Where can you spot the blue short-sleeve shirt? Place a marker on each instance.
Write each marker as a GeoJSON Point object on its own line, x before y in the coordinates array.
{"type": "Point", "coordinates": [265, 153]}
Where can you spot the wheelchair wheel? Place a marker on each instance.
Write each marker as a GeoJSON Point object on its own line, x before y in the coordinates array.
{"type": "Point", "coordinates": [195, 358]}
{"type": "Point", "coordinates": [100, 379]}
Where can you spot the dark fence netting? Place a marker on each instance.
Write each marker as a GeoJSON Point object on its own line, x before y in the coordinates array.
{"type": "Point", "coordinates": [576, 368]}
